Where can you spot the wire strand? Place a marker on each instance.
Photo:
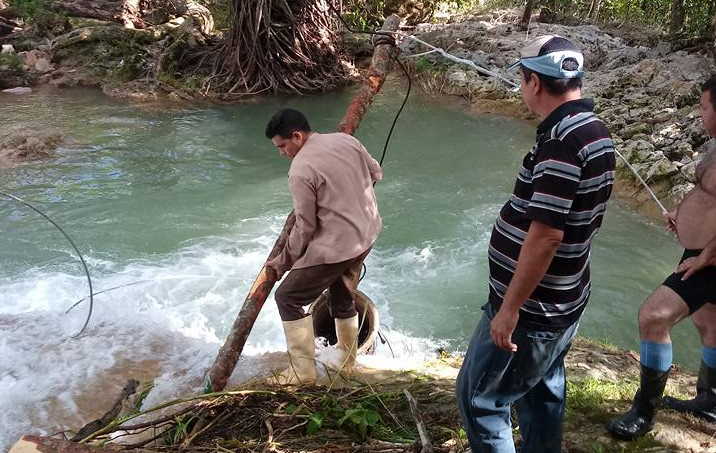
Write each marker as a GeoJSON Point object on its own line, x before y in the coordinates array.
{"type": "Point", "coordinates": [77, 250]}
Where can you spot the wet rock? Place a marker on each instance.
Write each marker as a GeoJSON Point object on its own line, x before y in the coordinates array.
{"type": "Point", "coordinates": [24, 144]}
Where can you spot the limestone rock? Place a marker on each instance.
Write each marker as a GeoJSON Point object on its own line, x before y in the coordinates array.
{"type": "Point", "coordinates": [26, 144]}
{"type": "Point", "coordinates": [661, 169]}
{"type": "Point", "coordinates": [633, 129]}
{"type": "Point", "coordinates": [689, 171]}
{"type": "Point", "coordinates": [638, 151]}
{"type": "Point", "coordinates": [458, 77]}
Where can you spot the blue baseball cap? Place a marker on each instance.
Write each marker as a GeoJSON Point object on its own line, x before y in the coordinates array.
{"type": "Point", "coordinates": [553, 56]}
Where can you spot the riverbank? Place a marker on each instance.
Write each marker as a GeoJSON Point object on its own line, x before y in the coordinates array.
{"type": "Point", "coordinates": [371, 413]}
{"type": "Point", "coordinates": [646, 90]}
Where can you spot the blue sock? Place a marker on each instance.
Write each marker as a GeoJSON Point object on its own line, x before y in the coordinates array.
{"type": "Point", "coordinates": [656, 356]}
{"type": "Point", "coordinates": [709, 357]}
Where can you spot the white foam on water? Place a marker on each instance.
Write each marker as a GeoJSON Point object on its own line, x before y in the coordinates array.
{"type": "Point", "coordinates": [168, 328]}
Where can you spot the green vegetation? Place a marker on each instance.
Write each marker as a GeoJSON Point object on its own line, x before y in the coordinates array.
{"type": "Point", "coordinates": [28, 9]}
{"type": "Point", "coordinates": [590, 397]}
{"type": "Point", "coordinates": [678, 17]}
{"type": "Point", "coordinates": [370, 14]}
{"type": "Point", "coordinates": [10, 61]}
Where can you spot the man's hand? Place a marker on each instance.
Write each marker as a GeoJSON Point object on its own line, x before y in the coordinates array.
{"type": "Point", "coordinates": [670, 218]}
{"type": "Point", "coordinates": [277, 269]}
{"type": "Point", "coordinates": [502, 327]}
{"type": "Point", "coordinates": [694, 264]}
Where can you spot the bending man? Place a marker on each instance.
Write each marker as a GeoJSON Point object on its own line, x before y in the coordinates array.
{"type": "Point", "coordinates": [337, 221]}
{"type": "Point", "coordinates": [539, 261]}
{"type": "Point", "coordinates": [690, 291]}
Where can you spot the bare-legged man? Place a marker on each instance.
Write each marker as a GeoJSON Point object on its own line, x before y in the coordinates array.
{"type": "Point", "coordinates": [690, 291]}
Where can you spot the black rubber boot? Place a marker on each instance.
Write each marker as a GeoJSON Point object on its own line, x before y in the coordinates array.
{"type": "Point", "coordinates": [640, 418]}
{"type": "Point", "coordinates": [704, 405]}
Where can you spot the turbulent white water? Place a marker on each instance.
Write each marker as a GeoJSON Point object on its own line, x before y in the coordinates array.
{"type": "Point", "coordinates": [170, 326]}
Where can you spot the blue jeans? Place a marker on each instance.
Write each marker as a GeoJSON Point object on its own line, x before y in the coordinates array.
{"type": "Point", "coordinates": [533, 378]}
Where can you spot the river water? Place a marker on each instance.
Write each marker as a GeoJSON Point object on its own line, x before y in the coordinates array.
{"type": "Point", "coordinates": [183, 204]}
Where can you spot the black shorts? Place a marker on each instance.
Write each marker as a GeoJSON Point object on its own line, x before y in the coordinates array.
{"type": "Point", "coordinates": [699, 289]}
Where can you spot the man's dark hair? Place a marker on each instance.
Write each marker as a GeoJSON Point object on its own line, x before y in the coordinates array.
{"type": "Point", "coordinates": [554, 86]}
{"type": "Point", "coordinates": [710, 86]}
{"type": "Point", "coordinates": [285, 122]}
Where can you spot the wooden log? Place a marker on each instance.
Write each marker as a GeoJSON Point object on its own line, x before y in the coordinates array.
{"type": "Point", "coordinates": [38, 444]}
{"type": "Point", "coordinates": [229, 354]}
{"type": "Point", "coordinates": [122, 406]}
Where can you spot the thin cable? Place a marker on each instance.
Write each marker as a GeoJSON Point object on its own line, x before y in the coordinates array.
{"type": "Point", "coordinates": [400, 110]}
{"type": "Point", "coordinates": [69, 239]}
{"type": "Point", "coordinates": [105, 291]}
{"type": "Point", "coordinates": [72, 307]}
{"type": "Point", "coordinates": [648, 189]}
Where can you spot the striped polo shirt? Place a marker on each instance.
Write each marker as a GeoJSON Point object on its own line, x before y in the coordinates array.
{"type": "Point", "coordinates": [565, 182]}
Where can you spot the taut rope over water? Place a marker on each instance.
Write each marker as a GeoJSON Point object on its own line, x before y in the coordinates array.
{"type": "Point", "coordinates": [69, 239]}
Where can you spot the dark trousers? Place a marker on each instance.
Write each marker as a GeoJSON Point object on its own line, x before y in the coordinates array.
{"type": "Point", "coordinates": [533, 378]}
{"type": "Point", "coordinates": [302, 286]}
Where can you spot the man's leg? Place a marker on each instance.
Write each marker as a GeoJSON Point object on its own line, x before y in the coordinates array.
{"type": "Point", "coordinates": [491, 379]}
{"type": "Point", "coordinates": [704, 405]}
{"type": "Point", "coordinates": [341, 297]}
{"type": "Point", "coordinates": [486, 420]}
{"type": "Point", "coordinates": [541, 410]}
{"type": "Point", "coordinates": [300, 288]}
{"type": "Point", "coordinates": [659, 313]}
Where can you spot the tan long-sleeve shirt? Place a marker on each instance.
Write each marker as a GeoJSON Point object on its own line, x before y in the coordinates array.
{"type": "Point", "coordinates": [331, 182]}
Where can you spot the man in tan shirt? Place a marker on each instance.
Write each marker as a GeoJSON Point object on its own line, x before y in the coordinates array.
{"type": "Point", "coordinates": [337, 221]}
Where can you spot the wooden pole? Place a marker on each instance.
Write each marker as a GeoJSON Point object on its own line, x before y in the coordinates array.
{"type": "Point", "coordinates": [229, 354]}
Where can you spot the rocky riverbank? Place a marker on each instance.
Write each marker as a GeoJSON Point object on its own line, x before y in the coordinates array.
{"type": "Point", "coordinates": [645, 90]}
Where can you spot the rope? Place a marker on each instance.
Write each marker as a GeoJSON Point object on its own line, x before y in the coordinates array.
{"type": "Point", "coordinates": [646, 186]}
{"type": "Point", "coordinates": [77, 250]}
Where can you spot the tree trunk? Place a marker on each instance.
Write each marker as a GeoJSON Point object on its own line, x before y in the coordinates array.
{"type": "Point", "coordinates": [527, 14]}
{"type": "Point", "coordinates": [229, 354]}
{"type": "Point", "coordinates": [52, 445]}
{"type": "Point", "coordinates": [677, 17]}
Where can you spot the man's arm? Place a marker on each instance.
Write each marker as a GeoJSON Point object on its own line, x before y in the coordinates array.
{"type": "Point", "coordinates": [376, 173]}
{"type": "Point", "coordinates": [304, 208]}
{"type": "Point", "coordinates": [706, 258]}
{"type": "Point", "coordinates": [535, 257]}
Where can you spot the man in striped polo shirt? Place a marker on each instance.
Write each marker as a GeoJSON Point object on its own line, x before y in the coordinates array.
{"type": "Point", "coordinates": [539, 261]}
